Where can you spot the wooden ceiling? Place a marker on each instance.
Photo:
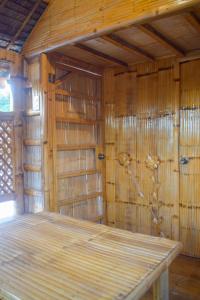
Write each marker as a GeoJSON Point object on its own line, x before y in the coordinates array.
{"type": "Point", "coordinates": [172, 36]}
{"type": "Point", "coordinates": [17, 19]}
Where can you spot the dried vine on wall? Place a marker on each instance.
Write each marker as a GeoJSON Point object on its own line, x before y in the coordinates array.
{"type": "Point", "coordinates": [153, 163]}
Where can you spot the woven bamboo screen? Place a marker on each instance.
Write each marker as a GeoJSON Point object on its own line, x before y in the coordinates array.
{"type": "Point", "coordinates": [6, 156]}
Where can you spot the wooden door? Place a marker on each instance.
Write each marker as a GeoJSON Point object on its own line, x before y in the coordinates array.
{"type": "Point", "coordinates": [76, 141]}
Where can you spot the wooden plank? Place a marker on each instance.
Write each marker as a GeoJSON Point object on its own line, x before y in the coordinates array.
{"type": "Point", "coordinates": [70, 22]}
{"type": "Point", "coordinates": [193, 21]}
{"type": "Point", "coordinates": [119, 42]}
{"type": "Point", "coordinates": [164, 41]}
{"type": "Point", "coordinates": [102, 55]}
{"type": "Point", "coordinates": [161, 287]}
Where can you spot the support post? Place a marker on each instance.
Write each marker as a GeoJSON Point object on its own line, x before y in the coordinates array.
{"type": "Point", "coordinates": [161, 287]}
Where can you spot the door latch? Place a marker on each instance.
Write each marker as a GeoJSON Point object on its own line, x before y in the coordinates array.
{"type": "Point", "coordinates": [101, 156]}
{"type": "Point", "coordinates": [184, 160]}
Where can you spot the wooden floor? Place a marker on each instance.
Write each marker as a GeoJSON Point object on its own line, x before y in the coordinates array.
{"type": "Point", "coordinates": [184, 279]}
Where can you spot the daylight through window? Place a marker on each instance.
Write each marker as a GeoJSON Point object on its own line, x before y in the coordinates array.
{"type": "Point", "coordinates": [6, 99]}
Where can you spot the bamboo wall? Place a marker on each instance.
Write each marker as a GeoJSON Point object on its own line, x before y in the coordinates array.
{"type": "Point", "coordinates": [75, 139]}
{"type": "Point", "coordinates": [33, 128]}
{"type": "Point", "coordinates": [151, 121]}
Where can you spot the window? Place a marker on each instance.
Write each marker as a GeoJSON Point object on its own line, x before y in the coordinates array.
{"type": "Point", "coordinates": [6, 99]}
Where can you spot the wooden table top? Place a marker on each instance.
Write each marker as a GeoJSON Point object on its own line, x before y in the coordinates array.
{"type": "Point", "coordinates": [49, 256]}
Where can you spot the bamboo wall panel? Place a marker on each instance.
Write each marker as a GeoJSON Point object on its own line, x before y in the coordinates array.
{"type": "Point", "coordinates": [190, 148]}
{"type": "Point", "coordinates": [77, 138]}
{"type": "Point", "coordinates": [154, 111]}
{"type": "Point", "coordinates": [76, 160]}
{"type": "Point", "coordinates": [142, 115]}
{"type": "Point", "coordinates": [65, 22]}
{"type": "Point", "coordinates": [33, 132]}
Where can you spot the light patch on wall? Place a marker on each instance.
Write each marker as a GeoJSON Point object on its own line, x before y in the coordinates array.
{"type": "Point", "coordinates": [7, 210]}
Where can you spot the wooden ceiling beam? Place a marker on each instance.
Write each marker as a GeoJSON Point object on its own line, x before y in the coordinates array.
{"type": "Point", "coordinates": [27, 19]}
{"type": "Point", "coordinates": [193, 21]}
{"type": "Point", "coordinates": [121, 43]}
{"type": "Point", "coordinates": [101, 55]}
{"type": "Point", "coordinates": [157, 36]}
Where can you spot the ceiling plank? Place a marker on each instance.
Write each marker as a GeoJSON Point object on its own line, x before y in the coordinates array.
{"type": "Point", "coordinates": [193, 21]}
{"type": "Point", "coordinates": [157, 36]}
{"type": "Point", "coordinates": [121, 43]}
{"type": "Point", "coordinates": [27, 19]}
{"type": "Point", "coordinates": [3, 3]}
{"type": "Point", "coordinates": [101, 55]}
{"type": "Point", "coordinates": [60, 28]}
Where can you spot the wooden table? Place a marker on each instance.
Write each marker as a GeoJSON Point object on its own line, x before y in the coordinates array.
{"type": "Point", "coordinates": [49, 256]}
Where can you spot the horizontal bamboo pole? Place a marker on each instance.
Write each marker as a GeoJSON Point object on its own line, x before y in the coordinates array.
{"type": "Point", "coordinates": [75, 121]}
{"type": "Point", "coordinates": [32, 168]}
{"type": "Point", "coordinates": [76, 173]}
{"type": "Point", "coordinates": [79, 199]}
{"type": "Point", "coordinates": [75, 147]}
{"type": "Point", "coordinates": [76, 94]}
{"type": "Point", "coordinates": [33, 192]}
{"type": "Point", "coordinates": [31, 113]}
{"type": "Point", "coordinates": [32, 142]}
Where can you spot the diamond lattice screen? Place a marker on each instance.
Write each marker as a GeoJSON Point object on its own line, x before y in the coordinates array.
{"type": "Point", "coordinates": [6, 157]}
